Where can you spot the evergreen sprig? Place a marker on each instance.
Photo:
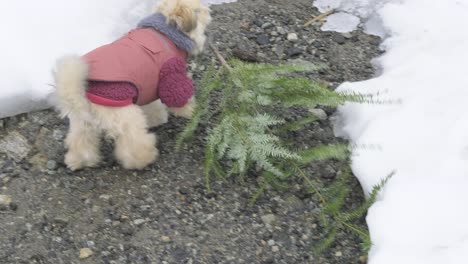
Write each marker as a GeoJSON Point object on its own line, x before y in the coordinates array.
{"type": "Point", "coordinates": [246, 132]}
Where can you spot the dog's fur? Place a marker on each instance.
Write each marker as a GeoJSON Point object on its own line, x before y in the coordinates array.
{"type": "Point", "coordinates": [135, 147]}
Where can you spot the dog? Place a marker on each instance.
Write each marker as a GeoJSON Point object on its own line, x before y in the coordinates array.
{"type": "Point", "coordinates": [123, 88]}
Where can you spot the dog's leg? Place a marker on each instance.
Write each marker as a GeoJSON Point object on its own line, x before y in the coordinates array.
{"type": "Point", "coordinates": [83, 144]}
{"type": "Point", "coordinates": [135, 147]}
{"type": "Point", "coordinates": [185, 111]}
{"type": "Point", "coordinates": [156, 113]}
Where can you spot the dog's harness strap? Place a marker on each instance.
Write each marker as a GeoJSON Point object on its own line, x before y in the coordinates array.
{"type": "Point", "coordinates": [96, 99]}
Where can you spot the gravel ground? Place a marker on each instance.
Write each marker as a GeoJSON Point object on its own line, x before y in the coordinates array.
{"type": "Point", "coordinates": [164, 214]}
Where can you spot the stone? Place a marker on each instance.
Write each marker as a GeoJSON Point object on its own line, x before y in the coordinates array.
{"type": "Point", "coordinates": [15, 146]}
{"type": "Point", "coordinates": [271, 242]}
{"type": "Point", "coordinates": [338, 254]}
{"type": "Point", "coordinates": [263, 40]}
{"type": "Point", "coordinates": [267, 25]}
{"type": "Point", "coordinates": [139, 221]}
{"type": "Point", "coordinates": [85, 253]}
{"type": "Point", "coordinates": [279, 51]}
{"type": "Point", "coordinates": [281, 30]}
{"type": "Point", "coordinates": [51, 165]}
{"type": "Point", "coordinates": [5, 200]}
{"type": "Point", "coordinates": [269, 219]}
{"type": "Point", "coordinates": [292, 37]}
{"type": "Point", "coordinates": [294, 51]}
{"type": "Point", "coordinates": [338, 38]}
{"type": "Point", "coordinates": [319, 113]}
{"type": "Point", "coordinates": [165, 239]}
{"type": "Point", "coordinates": [275, 249]}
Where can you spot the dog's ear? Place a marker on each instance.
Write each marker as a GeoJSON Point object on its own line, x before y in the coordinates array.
{"type": "Point", "coordinates": [184, 18]}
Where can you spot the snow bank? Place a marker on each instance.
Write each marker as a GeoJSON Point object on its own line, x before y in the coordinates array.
{"type": "Point", "coordinates": [36, 33]}
{"type": "Point", "coordinates": [420, 216]}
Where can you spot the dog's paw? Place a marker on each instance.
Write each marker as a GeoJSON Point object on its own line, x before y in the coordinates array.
{"type": "Point", "coordinates": [186, 111]}
{"type": "Point", "coordinates": [76, 161]}
{"type": "Point", "coordinates": [140, 160]}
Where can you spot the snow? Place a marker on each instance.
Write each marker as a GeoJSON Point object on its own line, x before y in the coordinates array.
{"type": "Point", "coordinates": [354, 9]}
{"type": "Point", "coordinates": [341, 22]}
{"type": "Point", "coordinates": [420, 216]}
{"type": "Point", "coordinates": [36, 33]}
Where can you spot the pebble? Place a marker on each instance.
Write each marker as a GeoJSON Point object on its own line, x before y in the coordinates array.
{"type": "Point", "coordinates": [363, 259]}
{"type": "Point", "coordinates": [338, 254]}
{"type": "Point", "coordinates": [165, 239]}
{"type": "Point", "coordinates": [139, 221]}
{"type": "Point", "coordinates": [268, 219]}
{"type": "Point", "coordinates": [271, 242]}
{"type": "Point", "coordinates": [15, 146]}
{"type": "Point", "coordinates": [319, 113]}
{"type": "Point", "coordinates": [267, 25]}
{"type": "Point", "coordinates": [263, 39]}
{"type": "Point", "coordinates": [275, 249]}
{"type": "Point", "coordinates": [85, 253]}
{"type": "Point", "coordinates": [281, 30]}
{"type": "Point", "coordinates": [293, 37]}
{"type": "Point", "coordinates": [338, 38]}
{"type": "Point", "coordinates": [292, 52]}
{"type": "Point", "coordinates": [5, 200]}
{"type": "Point", "coordinates": [51, 165]}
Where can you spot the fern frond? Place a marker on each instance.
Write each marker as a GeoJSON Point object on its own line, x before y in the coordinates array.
{"type": "Point", "coordinates": [362, 209]}
{"type": "Point", "coordinates": [326, 242]}
{"type": "Point", "coordinates": [296, 125]}
{"type": "Point", "coordinates": [335, 151]}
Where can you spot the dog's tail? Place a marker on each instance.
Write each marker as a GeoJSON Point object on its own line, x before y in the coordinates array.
{"type": "Point", "coordinates": [70, 80]}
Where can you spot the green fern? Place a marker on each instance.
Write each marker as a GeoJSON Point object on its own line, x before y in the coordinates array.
{"type": "Point", "coordinates": [246, 132]}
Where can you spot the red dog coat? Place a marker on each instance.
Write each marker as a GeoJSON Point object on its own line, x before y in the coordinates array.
{"type": "Point", "coordinates": [141, 67]}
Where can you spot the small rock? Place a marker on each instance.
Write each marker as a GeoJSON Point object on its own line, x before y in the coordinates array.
{"type": "Point", "coordinates": [338, 254]}
{"type": "Point", "coordinates": [347, 35]}
{"type": "Point", "coordinates": [245, 55]}
{"type": "Point", "coordinates": [267, 25]}
{"type": "Point", "coordinates": [139, 221]}
{"type": "Point", "coordinates": [105, 197]}
{"type": "Point", "coordinates": [258, 22]}
{"type": "Point", "coordinates": [319, 113]}
{"type": "Point", "coordinates": [61, 222]}
{"type": "Point", "coordinates": [292, 52]}
{"type": "Point", "coordinates": [317, 44]}
{"type": "Point", "coordinates": [51, 165]}
{"type": "Point", "coordinates": [293, 37]}
{"type": "Point", "coordinates": [165, 239]}
{"type": "Point", "coordinates": [280, 30]}
{"type": "Point", "coordinates": [90, 243]}
{"type": "Point", "coordinates": [338, 38]}
{"type": "Point", "coordinates": [5, 200]}
{"type": "Point", "coordinates": [15, 146]}
{"type": "Point", "coordinates": [263, 39]}
{"type": "Point", "coordinates": [13, 206]}
{"type": "Point", "coordinates": [269, 219]}
{"type": "Point", "coordinates": [271, 242]}
{"type": "Point", "coordinates": [85, 253]}
{"type": "Point", "coordinates": [363, 259]}
{"type": "Point", "coordinates": [279, 51]}
{"type": "Point", "coordinates": [275, 249]}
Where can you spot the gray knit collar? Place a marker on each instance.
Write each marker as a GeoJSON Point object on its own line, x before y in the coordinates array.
{"type": "Point", "coordinates": [158, 22]}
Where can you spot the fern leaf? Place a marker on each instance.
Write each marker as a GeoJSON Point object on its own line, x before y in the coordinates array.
{"type": "Point", "coordinates": [336, 151]}
{"type": "Point", "coordinates": [326, 242]}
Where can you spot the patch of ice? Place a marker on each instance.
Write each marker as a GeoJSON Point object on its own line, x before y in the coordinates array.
{"type": "Point", "coordinates": [341, 22]}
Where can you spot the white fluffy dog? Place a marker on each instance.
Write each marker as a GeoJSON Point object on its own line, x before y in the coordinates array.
{"type": "Point", "coordinates": [114, 88]}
